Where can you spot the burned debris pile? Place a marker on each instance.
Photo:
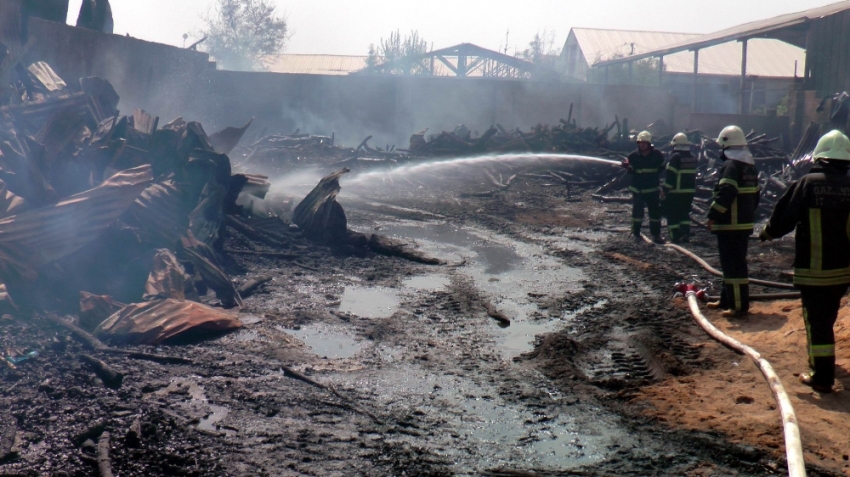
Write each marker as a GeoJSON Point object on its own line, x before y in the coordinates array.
{"type": "Point", "coordinates": [112, 206]}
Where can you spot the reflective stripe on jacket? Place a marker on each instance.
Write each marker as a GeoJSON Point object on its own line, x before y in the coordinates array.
{"type": "Point", "coordinates": [681, 176]}
{"type": "Point", "coordinates": [736, 197]}
{"type": "Point", "coordinates": [645, 170]}
{"type": "Point", "coordinates": [818, 205]}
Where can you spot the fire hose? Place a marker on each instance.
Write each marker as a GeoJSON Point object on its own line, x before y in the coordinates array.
{"type": "Point", "coordinates": [793, 445]}
{"type": "Point", "coordinates": [718, 273]}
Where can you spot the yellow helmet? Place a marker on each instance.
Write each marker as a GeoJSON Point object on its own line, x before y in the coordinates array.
{"type": "Point", "coordinates": [732, 136]}
{"type": "Point", "coordinates": [644, 136]}
{"type": "Point", "coordinates": [680, 142]}
{"type": "Point", "coordinates": [833, 145]}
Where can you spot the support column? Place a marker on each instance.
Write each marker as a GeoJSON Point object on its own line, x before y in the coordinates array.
{"type": "Point", "coordinates": [606, 74]}
{"type": "Point", "coordinates": [660, 70]}
{"type": "Point", "coordinates": [696, 75]}
{"type": "Point", "coordinates": [742, 105]}
{"type": "Point", "coordinates": [631, 64]}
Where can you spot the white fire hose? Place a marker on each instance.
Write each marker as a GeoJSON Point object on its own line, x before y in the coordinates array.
{"type": "Point", "coordinates": [793, 445]}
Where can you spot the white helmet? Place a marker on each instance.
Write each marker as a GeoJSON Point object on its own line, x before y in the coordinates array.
{"type": "Point", "coordinates": [833, 145]}
{"type": "Point", "coordinates": [732, 136]}
{"type": "Point", "coordinates": [680, 142]}
{"type": "Point", "coordinates": [644, 136]}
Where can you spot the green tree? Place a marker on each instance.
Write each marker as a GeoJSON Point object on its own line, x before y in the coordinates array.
{"type": "Point", "coordinates": [243, 34]}
{"type": "Point", "coordinates": [403, 50]}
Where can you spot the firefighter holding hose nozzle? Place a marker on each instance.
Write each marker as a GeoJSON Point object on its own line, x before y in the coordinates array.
{"type": "Point", "coordinates": [644, 165]}
{"type": "Point", "coordinates": [678, 190]}
{"type": "Point", "coordinates": [818, 206]}
{"type": "Point", "coordinates": [732, 217]}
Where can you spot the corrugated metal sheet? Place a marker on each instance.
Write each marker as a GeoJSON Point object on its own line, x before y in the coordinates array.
{"type": "Point", "coordinates": [765, 57]}
{"type": "Point", "coordinates": [759, 27]}
{"type": "Point", "coordinates": [602, 44]}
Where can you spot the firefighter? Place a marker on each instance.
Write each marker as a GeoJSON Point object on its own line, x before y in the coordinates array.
{"type": "Point", "coordinates": [644, 165]}
{"type": "Point", "coordinates": [731, 217]}
{"type": "Point", "coordinates": [818, 206]}
{"type": "Point", "coordinates": [678, 190]}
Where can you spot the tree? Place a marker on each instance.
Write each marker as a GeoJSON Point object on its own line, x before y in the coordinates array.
{"type": "Point", "coordinates": [395, 48]}
{"type": "Point", "coordinates": [542, 48]}
{"type": "Point", "coordinates": [243, 34]}
{"type": "Point", "coordinates": [543, 52]}
{"type": "Point", "coordinates": [644, 72]}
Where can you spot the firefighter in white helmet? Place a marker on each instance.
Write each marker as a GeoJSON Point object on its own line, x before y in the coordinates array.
{"type": "Point", "coordinates": [644, 165]}
{"type": "Point", "coordinates": [732, 217]}
{"type": "Point", "coordinates": [677, 192]}
{"type": "Point", "coordinates": [818, 206]}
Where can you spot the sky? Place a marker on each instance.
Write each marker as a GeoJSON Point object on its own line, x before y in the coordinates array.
{"type": "Point", "coordinates": [348, 27]}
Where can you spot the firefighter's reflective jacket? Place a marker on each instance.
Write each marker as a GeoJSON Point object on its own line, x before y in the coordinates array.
{"type": "Point", "coordinates": [818, 205]}
{"type": "Point", "coordinates": [681, 176]}
{"type": "Point", "coordinates": [645, 170]}
{"type": "Point", "coordinates": [736, 197]}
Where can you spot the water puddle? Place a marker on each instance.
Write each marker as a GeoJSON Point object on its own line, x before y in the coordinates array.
{"type": "Point", "coordinates": [377, 302]}
{"type": "Point", "coordinates": [506, 270]}
{"type": "Point", "coordinates": [483, 430]}
{"type": "Point", "coordinates": [431, 282]}
{"type": "Point", "coordinates": [519, 337]}
{"type": "Point", "coordinates": [216, 415]}
{"type": "Point", "coordinates": [190, 387]}
{"type": "Point", "coordinates": [327, 341]}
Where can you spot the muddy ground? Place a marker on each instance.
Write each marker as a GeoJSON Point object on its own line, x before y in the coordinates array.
{"type": "Point", "coordinates": [595, 376]}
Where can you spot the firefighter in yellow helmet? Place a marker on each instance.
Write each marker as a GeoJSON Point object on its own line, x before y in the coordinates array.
{"type": "Point", "coordinates": [677, 192]}
{"type": "Point", "coordinates": [818, 206]}
{"type": "Point", "coordinates": [644, 166]}
{"type": "Point", "coordinates": [732, 217]}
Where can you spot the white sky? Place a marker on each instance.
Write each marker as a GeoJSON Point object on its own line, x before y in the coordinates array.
{"type": "Point", "coordinates": [347, 27]}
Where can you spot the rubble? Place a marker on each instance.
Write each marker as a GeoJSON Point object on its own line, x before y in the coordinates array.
{"type": "Point", "coordinates": [96, 205]}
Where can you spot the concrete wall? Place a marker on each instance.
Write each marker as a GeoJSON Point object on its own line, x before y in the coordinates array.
{"type": "Point", "coordinates": [169, 81]}
{"type": "Point", "coordinates": [391, 108]}
{"type": "Point", "coordinates": [155, 77]}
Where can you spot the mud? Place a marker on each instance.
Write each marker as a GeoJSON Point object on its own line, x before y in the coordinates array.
{"type": "Point", "coordinates": [415, 378]}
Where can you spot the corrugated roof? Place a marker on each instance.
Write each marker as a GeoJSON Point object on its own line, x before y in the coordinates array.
{"type": "Point", "coordinates": [765, 57]}
{"type": "Point", "coordinates": [602, 44]}
{"type": "Point", "coordinates": [317, 64]}
{"type": "Point", "coordinates": [747, 30]}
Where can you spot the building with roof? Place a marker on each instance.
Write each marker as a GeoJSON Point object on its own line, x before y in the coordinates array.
{"type": "Point", "coordinates": [464, 60]}
{"type": "Point", "coordinates": [773, 66]}
{"type": "Point", "coordinates": [821, 32]}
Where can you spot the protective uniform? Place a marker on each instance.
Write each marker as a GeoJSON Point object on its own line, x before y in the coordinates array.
{"type": "Point", "coordinates": [679, 188]}
{"type": "Point", "coordinates": [736, 197]}
{"type": "Point", "coordinates": [645, 169]}
{"type": "Point", "coordinates": [818, 206]}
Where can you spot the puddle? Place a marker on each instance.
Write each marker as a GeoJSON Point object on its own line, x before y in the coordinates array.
{"type": "Point", "coordinates": [484, 431]}
{"type": "Point", "coordinates": [432, 282]}
{"type": "Point", "coordinates": [519, 337]}
{"type": "Point", "coordinates": [198, 399]}
{"type": "Point", "coordinates": [377, 302]}
{"type": "Point", "coordinates": [326, 341]}
{"type": "Point", "coordinates": [505, 269]}
{"type": "Point", "coordinates": [216, 415]}
{"type": "Point", "coordinates": [495, 257]}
